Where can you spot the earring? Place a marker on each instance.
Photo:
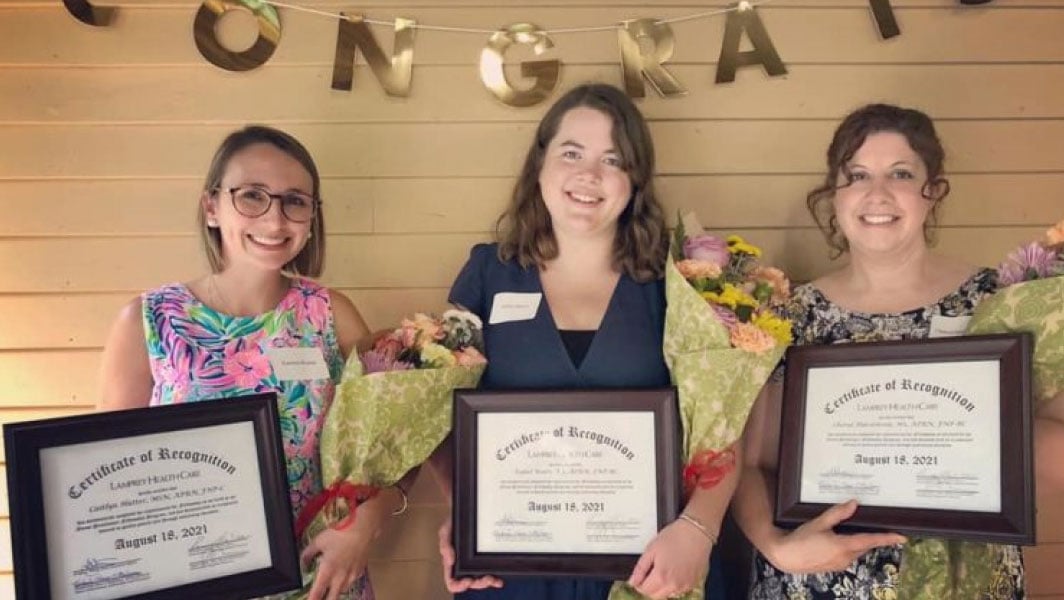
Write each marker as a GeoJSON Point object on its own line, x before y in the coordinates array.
{"type": "Point", "coordinates": [310, 234]}
{"type": "Point", "coordinates": [212, 223]}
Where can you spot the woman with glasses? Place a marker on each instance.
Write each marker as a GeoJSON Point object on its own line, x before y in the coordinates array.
{"type": "Point", "coordinates": [261, 223]}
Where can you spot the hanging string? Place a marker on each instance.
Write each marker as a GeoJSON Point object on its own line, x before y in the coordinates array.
{"type": "Point", "coordinates": [743, 5]}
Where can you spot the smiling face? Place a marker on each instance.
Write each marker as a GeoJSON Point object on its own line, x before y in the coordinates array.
{"type": "Point", "coordinates": [583, 182]}
{"type": "Point", "coordinates": [271, 240]}
{"type": "Point", "coordinates": [882, 209]}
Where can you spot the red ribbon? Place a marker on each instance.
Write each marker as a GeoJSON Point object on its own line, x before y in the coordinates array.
{"type": "Point", "coordinates": [351, 494]}
{"type": "Point", "coordinates": [707, 469]}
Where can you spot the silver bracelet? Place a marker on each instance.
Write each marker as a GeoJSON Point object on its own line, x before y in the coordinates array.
{"type": "Point", "coordinates": [406, 501]}
{"type": "Point", "coordinates": [712, 537]}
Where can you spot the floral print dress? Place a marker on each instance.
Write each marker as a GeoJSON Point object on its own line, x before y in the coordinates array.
{"type": "Point", "coordinates": [874, 576]}
{"type": "Point", "coordinates": [197, 353]}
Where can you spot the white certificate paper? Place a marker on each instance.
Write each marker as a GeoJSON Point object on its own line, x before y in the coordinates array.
{"type": "Point", "coordinates": [905, 435]}
{"type": "Point", "coordinates": [131, 515]}
{"type": "Point", "coordinates": [574, 482]}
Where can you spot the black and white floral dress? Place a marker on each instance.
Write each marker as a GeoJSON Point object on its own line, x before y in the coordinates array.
{"type": "Point", "coordinates": [874, 575]}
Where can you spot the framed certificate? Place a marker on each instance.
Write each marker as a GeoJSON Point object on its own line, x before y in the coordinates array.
{"type": "Point", "coordinates": [183, 501]}
{"type": "Point", "coordinates": [562, 482]}
{"type": "Point", "coordinates": [932, 437]}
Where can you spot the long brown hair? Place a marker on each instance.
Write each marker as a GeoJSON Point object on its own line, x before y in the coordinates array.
{"type": "Point", "coordinates": [524, 231]}
{"type": "Point", "coordinates": [311, 259]}
{"type": "Point", "coordinates": [850, 135]}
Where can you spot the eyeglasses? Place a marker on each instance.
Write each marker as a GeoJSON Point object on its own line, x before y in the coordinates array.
{"type": "Point", "coordinates": [252, 201]}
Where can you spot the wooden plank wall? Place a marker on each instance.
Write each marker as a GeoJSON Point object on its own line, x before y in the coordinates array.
{"type": "Point", "coordinates": [106, 132]}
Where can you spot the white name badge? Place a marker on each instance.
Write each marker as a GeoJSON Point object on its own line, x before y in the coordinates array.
{"type": "Point", "coordinates": [942, 326]}
{"type": "Point", "coordinates": [297, 364]}
{"type": "Point", "coordinates": [514, 306]}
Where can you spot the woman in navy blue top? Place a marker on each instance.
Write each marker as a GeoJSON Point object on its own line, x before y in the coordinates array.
{"type": "Point", "coordinates": [572, 297]}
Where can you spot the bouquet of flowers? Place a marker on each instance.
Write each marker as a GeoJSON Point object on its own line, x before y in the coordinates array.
{"type": "Point", "coordinates": [391, 409]}
{"type": "Point", "coordinates": [1031, 299]}
{"type": "Point", "coordinates": [724, 335]}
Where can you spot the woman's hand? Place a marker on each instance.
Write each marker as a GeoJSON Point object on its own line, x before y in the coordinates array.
{"type": "Point", "coordinates": [674, 562]}
{"type": "Point", "coordinates": [816, 548]}
{"type": "Point", "coordinates": [342, 553]}
{"type": "Point", "coordinates": [447, 555]}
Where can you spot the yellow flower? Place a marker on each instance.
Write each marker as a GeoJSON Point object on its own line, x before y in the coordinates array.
{"type": "Point", "coordinates": [738, 245]}
{"type": "Point", "coordinates": [437, 356]}
{"type": "Point", "coordinates": [779, 329]}
{"type": "Point", "coordinates": [746, 336]}
{"type": "Point", "coordinates": [730, 296]}
{"type": "Point", "coordinates": [1055, 235]}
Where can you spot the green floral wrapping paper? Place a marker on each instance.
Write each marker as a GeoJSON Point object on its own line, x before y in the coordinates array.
{"type": "Point", "coordinates": [381, 425]}
{"type": "Point", "coordinates": [935, 569]}
{"type": "Point", "coordinates": [952, 570]}
{"type": "Point", "coordinates": [717, 383]}
{"type": "Point", "coordinates": [1036, 307]}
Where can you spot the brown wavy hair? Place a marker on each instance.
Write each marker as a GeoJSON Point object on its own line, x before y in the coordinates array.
{"type": "Point", "coordinates": [918, 130]}
{"type": "Point", "coordinates": [311, 259]}
{"type": "Point", "coordinates": [524, 231]}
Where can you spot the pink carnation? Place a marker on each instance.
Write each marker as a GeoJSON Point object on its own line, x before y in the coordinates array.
{"type": "Point", "coordinates": [420, 330]}
{"type": "Point", "coordinates": [707, 248]}
{"type": "Point", "coordinates": [388, 345]}
{"type": "Point", "coordinates": [750, 338]}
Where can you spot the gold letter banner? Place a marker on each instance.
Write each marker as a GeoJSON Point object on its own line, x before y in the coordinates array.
{"type": "Point", "coordinates": [545, 72]}
{"type": "Point", "coordinates": [764, 53]}
{"type": "Point", "coordinates": [207, 41]}
{"type": "Point", "coordinates": [635, 64]}
{"type": "Point", "coordinates": [394, 76]}
{"type": "Point", "coordinates": [99, 16]}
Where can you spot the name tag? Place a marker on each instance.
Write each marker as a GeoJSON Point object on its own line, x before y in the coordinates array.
{"type": "Point", "coordinates": [297, 364]}
{"type": "Point", "coordinates": [948, 326]}
{"type": "Point", "coordinates": [513, 306]}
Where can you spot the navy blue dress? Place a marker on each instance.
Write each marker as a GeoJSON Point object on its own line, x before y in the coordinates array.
{"type": "Point", "coordinates": [530, 354]}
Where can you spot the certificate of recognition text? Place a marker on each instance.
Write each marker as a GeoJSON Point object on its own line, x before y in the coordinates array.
{"type": "Point", "coordinates": [575, 482]}
{"type": "Point", "coordinates": [131, 515]}
{"type": "Point", "coordinates": [906, 435]}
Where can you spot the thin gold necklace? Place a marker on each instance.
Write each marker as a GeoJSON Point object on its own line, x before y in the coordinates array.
{"type": "Point", "coordinates": [216, 295]}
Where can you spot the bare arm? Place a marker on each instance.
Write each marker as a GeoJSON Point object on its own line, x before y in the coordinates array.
{"type": "Point", "coordinates": [675, 561]}
{"type": "Point", "coordinates": [350, 327]}
{"type": "Point", "coordinates": [125, 373]}
{"type": "Point", "coordinates": [753, 506]}
{"type": "Point", "coordinates": [812, 548]}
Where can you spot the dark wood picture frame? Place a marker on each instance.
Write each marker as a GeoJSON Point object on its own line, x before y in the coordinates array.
{"type": "Point", "coordinates": [1013, 524]}
{"type": "Point", "coordinates": [468, 404]}
{"type": "Point", "coordinates": [24, 441]}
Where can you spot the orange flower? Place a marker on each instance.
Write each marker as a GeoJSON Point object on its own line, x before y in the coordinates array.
{"type": "Point", "coordinates": [750, 338]}
{"type": "Point", "coordinates": [420, 330]}
{"type": "Point", "coordinates": [1055, 235]}
{"type": "Point", "coordinates": [469, 357]}
{"type": "Point", "coordinates": [781, 287]}
{"type": "Point", "coordinates": [693, 269]}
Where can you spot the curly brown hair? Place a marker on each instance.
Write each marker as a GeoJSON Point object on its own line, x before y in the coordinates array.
{"type": "Point", "coordinates": [918, 130]}
{"type": "Point", "coordinates": [524, 231]}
